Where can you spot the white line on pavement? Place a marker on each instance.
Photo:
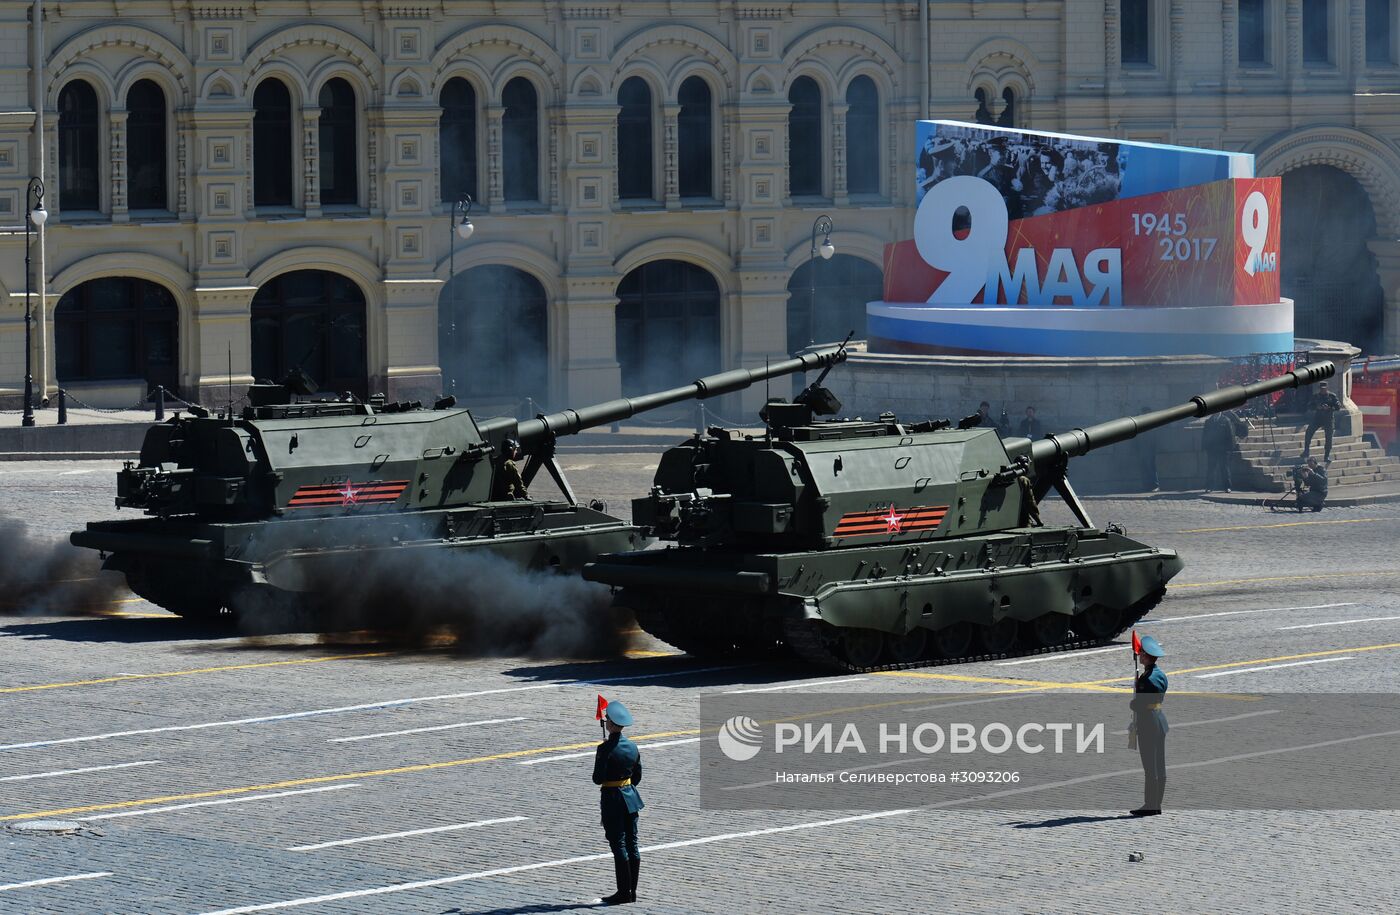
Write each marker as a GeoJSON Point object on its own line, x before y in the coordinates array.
{"type": "Point", "coordinates": [1202, 616]}
{"type": "Point", "coordinates": [219, 803]}
{"type": "Point", "coordinates": [1190, 724]}
{"type": "Point", "coordinates": [48, 880]}
{"type": "Point", "coordinates": [411, 832]}
{"type": "Point", "coordinates": [774, 689]}
{"type": "Point", "coordinates": [1060, 657]}
{"type": "Point", "coordinates": [390, 703]}
{"type": "Point", "coordinates": [1370, 619]}
{"type": "Point", "coordinates": [648, 746]}
{"type": "Point", "coordinates": [541, 865]}
{"type": "Point", "coordinates": [25, 778]}
{"type": "Point", "coordinates": [1250, 670]}
{"type": "Point", "coordinates": [440, 727]}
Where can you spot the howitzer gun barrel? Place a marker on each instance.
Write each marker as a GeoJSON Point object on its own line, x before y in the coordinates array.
{"type": "Point", "coordinates": [571, 422]}
{"type": "Point", "coordinates": [1060, 446]}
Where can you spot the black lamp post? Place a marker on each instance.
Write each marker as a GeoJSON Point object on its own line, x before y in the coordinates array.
{"type": "Point", "coordinates": [822, 225]}
{"type": "Point", "coordinates": [464, 229]}
{"type": "Point", "coordinates": [36, 217]}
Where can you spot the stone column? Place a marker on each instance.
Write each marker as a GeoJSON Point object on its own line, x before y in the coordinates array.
{"type": "Point", "coordinates": [117, 121]}
{"type": "Point", "coordinates": [495, 187]}
{"type": "Point", "coordinates": [1293, 32]}
{"type": "Point", "coordinates": [1356, 43]}
{"type": "Point", "coordinates": [589, 370]}
{"type": "Point", "coordinates": [838, 153]}
{"type": "Point", "coordinates": [1177, 18]}
{"type": "Point", "coordinates": [670, 169]}
{"type": "Point", "coordinates": [1112, 57]}
{"type": "Point", "coordinates": [759, 320]}
{"type": "Point", "coordinates": [310, 160]}
{"type": "Point", "coordinates": [410, 327]}
{"type": "Point", "coordinates": [1387, 253]}
{"type": "Point", "coordinates": [222, 332]}
{"type": "Point", "coordinates": [1230, 45]}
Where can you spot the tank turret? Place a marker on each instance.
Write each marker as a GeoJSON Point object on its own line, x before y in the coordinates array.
{"type": "Point", "coordinates": [869, 543]}
{"type": "Point", "coordinates": [272, 500]}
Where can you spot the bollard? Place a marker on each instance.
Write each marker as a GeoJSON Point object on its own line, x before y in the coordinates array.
{"type": "Point", "coordinates": [160, 403]}
{"type": "Point", "coordinates": [62, 407]}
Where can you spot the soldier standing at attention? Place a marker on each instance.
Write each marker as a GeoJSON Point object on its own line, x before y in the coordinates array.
{"type": "Point", "coordinates": [1150, 727]}
{"type": "Point", "coordinates": [616, 768]}
{"type": "Point", "coordinates": [509, 483]}
{"type": "Point", "coordinates": [1324, 409]}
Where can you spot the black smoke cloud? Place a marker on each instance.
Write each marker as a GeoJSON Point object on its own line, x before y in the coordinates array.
{"type": "Point", "coordinates": [469, 602]}
{"type": "Point", "coordinates": [42, 577]}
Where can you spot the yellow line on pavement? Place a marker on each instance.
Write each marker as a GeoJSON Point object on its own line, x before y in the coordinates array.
{"type": "Point", "coordinates": [646, 653]}
{"type": "Point", "coordinates": [121, 678]}
{"type": "Point", "coordinates": [999, 681]}
{"type": "Point", "coordinates": [323, 779]}
{"type": "Point", "coordinates": [1317, 576]}
{"type": "Point", "coordinates": [1286, 657]}
{"type": "Point", "coordinates": [1260, 527]}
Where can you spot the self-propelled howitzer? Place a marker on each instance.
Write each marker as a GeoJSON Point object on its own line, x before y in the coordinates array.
{"type": "Point", "coordinates": [865, 545]}
{"type": "Point", "coordinates": [257, 512]}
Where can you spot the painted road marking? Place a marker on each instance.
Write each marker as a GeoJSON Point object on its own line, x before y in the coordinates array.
{"type": "Point", "coordinates": [440, 727]}
{"type": "Point", "coordinates": [1259, 527]}
{"type": "Point", "coordinates": [411, 832]}
{"type": "Point", "coordinates": [650, 746]}
{"type": "Point", "coordinates": [1202, 616]}
{"type": "Point", "coordinates": [228, 800]}
{"type": "Point", "coordinates": [1370, 573]}
{"type": "Point", "coordinates": [367, 706]}
{"type": "Point", "coordinates": [50, 880]}
{"type": "Point", "coordinates": [1369, 619]}
{"type": "Point", "coordinates": [186, 673]}
{"type": "Point", "coordinates": [25, 778]}
{"type": "Point", "coordinates": [1250, 670]}
{"type": "Point", "coordinates": [542, 865]}
{"type": "Point", "coordinates": [1060, 657]}
{"type": "Point", "coordinates": [1190, 724]}
{"type": "Point", "coordinates": [773, 689]}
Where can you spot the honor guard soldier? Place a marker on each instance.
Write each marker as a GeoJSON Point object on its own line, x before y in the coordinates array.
{"type": "Point", "coordinates": [1149, 726]}
{"type": "Point", "coordinates": [616, 769]}
{"type": "Point", "coordinates": [509, 483]}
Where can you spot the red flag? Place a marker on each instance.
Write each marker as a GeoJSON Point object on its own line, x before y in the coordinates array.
{"type": "Point", "coordinates": [603, 703]}
{"type": "Point", "coordinates": [1137, 646]}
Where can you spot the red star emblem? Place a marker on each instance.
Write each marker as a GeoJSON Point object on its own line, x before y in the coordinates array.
{"type": "Point", "coordinates": [347, 495]}
{"type": "Point", "coordinates": [893, 522]}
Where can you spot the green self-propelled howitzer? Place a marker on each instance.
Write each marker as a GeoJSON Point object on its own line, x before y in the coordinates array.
{"type": "Point", "coordinates": [257, 512]}
{"type": "Point", "coordinates": [865, 545]}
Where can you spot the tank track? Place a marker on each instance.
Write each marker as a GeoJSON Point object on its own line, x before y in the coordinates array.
{"type": "Point", "coordinates": [804, 638]}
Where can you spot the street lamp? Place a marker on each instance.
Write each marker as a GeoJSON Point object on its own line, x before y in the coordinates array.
{"type": "Point", "coordinates": [822, 225]}
{"type": "Point", "coordinates": [455, 229]}
{"type": "Point", "coordinates": [37, 217]}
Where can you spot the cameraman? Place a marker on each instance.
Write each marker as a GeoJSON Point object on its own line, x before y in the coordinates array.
{"type": "Point", "coordinates": [1311, 481]}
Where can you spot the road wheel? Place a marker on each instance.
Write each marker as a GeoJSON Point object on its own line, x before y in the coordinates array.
{"type": "Point", "coordinates": [1097, 622]}
{"type": "Point", "coordinates": [953, 641]}
{"type": "Point", "coordinates": [862, 647]}
{"type": "Point", "coordinates": [904, 649]}
{"type": "Point", "coordinates": [999, 637]}
{"type": "Point", "coordinates": [1049, 629]}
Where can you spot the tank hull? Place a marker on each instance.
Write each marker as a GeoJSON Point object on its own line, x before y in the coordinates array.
{"type": "Point", "coordinates": [200, 569]}
{"type": "Point", "coordinates": [997, 595]}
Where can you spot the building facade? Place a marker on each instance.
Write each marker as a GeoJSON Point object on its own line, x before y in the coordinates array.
{"type": "Point", "coordinates": [237, 189]}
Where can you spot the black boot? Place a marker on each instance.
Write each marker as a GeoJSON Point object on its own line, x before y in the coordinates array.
{"type": "Point", "coordinates": [636, 870]}
{"type": "Point", "coordinates": [623, 872]}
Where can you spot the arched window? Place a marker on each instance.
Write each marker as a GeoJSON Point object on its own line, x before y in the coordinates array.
{"type": "Point", "coordinates": [79, 147]}
{"type": "Point", "coordinates": [145, 146]}
{"type": "Point", "coordinates": [493, 335]}
{"type": "Point", "coordinates": [520, 126]}
{"type": "Point", "coordinates": [313, 320]}
{"type": "Point", "coordinates": [843, 285]}
{"type": "Point", "coordinates": [805, 138]}
{"type": "Point", "coordinates": [457, 140]}
{"type": "Point", "coordinates": [117, 328]}
{"type": "Point", "coordinates": [862, 136]}
{"type": "Point", "coordinates": [339, 157]}
{"type": "Point", "coordinates": [667, 325]}
{"type": "Point", "coordinates": [1136, 32]}
{"type": "Point", "coordinates": [1007, 118]}
{"type": "Point", "coordinates": [695, 126]}
{"type": "Point", "coordinates": [272, 144]}
{"type": "Point", "coordinates": [634, 151]}
{"type": "Point", "coordinates": [983, 114]}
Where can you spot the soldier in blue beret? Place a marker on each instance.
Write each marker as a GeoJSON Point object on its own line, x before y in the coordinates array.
{"type": "Point", "coordinates": [1150, 727]}
{"type": "Point", "coordinates": [616, 768]}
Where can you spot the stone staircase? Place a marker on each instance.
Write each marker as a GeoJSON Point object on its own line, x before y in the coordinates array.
{"type": "Point", "coordinates": [1268, 455]}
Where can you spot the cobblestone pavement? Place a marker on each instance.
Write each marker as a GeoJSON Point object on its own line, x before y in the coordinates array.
{"type": "Point", "coordinates": [219, 773]}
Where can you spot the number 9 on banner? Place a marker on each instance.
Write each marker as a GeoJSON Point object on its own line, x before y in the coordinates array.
{"type": "Point", "coordinates": [969, 260]}
{"type": "Point", "coordinates": [1254, 229]}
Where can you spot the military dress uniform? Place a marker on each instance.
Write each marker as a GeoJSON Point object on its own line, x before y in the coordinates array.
{"type": "Point", "coordinates": [617, 768]}
{"type": "Point", "coordinates": [1150, 729]}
